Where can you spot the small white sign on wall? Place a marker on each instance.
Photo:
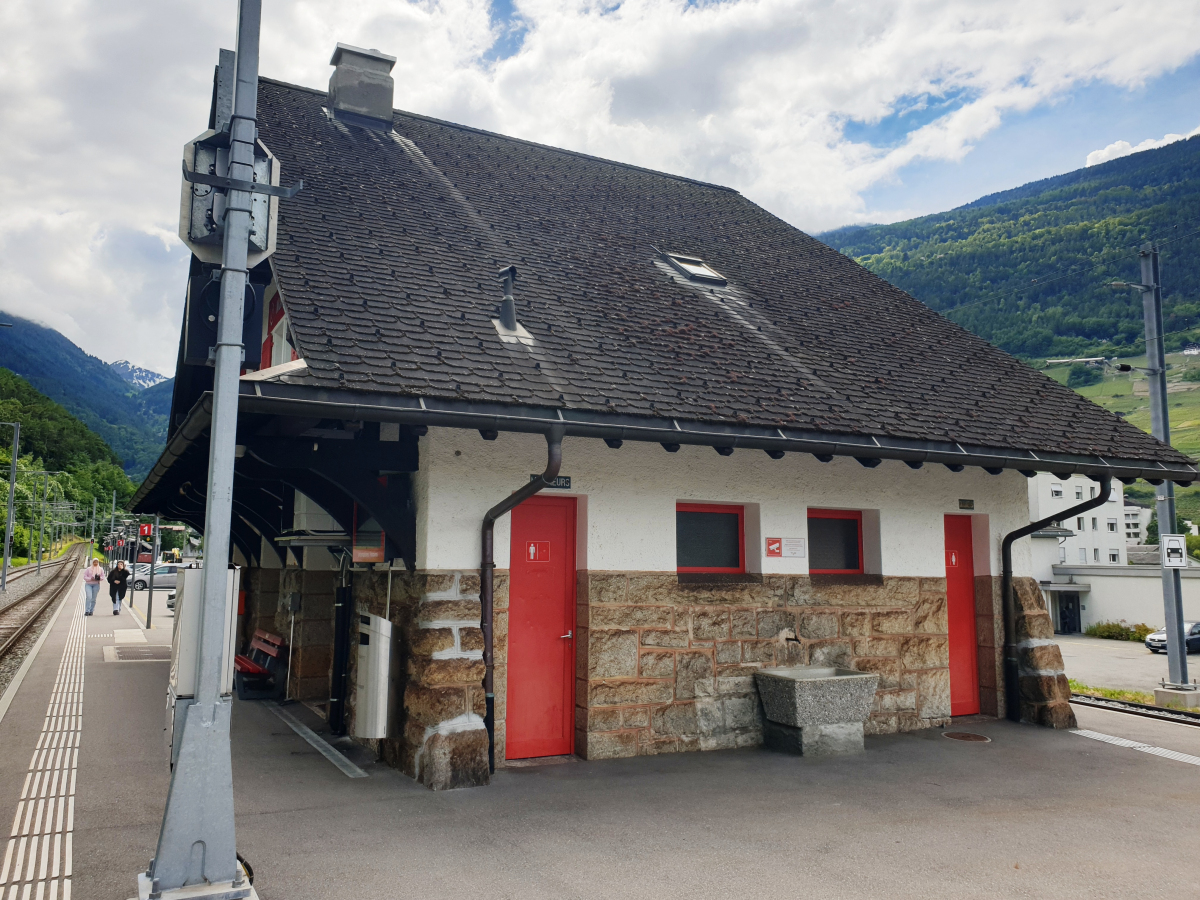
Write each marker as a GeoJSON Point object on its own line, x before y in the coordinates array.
{"type": "Point", "coordinates": [785, 547]}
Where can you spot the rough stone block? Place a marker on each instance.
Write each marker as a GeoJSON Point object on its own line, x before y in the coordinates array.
{"type": "Point", "coordinates": [630, 617]}
{"type": "Point", "coordinates": [1057, 714]}
{"type": "Point", "coordinates": [742, 712]}
{"type": "Point", "coordinates": [816, 625]}
{"type": "Point", "coordinates": [1041, 658]}
{"type": "Point", "coordinates": [432, 706]}
{"type": "Point", "coordinates": [427, 641]}
{"type": "Point", "coordinates": [606, 587]}
{"type": "Point", "coordinates": [897, 701]}
{"type": "Point", "coordinates": [612, 745]}
{"type": "Point", "coordinates": [761, 652]}
{"type": "Point", "coordinates": [891, 591]}
{"type": "Point", "coordinates": [663, 638]}
{"type": "Point", "coordinates": [1044, 688]}
{"type": "Point", "coordinates": [468, 584]}
{"type": "Point", "coordinates": [657, 664]}
{"type": "Point", "coordinates": [877, 646]}
{"type": "Point", "coordinates": [881, 724]}
{"type": "Point", "coordinates": [637, 717]}
{"type": "Point", "coordinates": [602, 719]}
{"type": "Point", "coordinates": [710, 717]}
{"type": "Point", "coordinates": [744, 623]}
{"type": "Point", "coordinates": [930, 616]}
{"type": "Point", "coordinates": [1034, 626]}
{"type": "Point", "coordinates": [854, 624]}
{"type": "Point", "coordinates": [791, 653]}
{"type": "Point", "coordinates": [728, 652]}
{"type": "Point", "coordinates": [692, 668]}
{"type": "Point", "coordinates": [773, 622]}
{"type": "Point", "coordinates": [724, 741]}
{"type": "Point", "coordinates": [629, 693]}
{"type": "Point", "coordinates": [455, 760]}
{"type": "Point", "coordinates": [450, 611]}
{"type": "Point", "coordinates": [1027, 595]}
{"type": "Point", "coordinates": [830, 653]}
{"type": "Point", "coordinates": [654, 589]}
{"type": "Point", "coordinates": [612, 654]}
{"type": "Point", "coordinates": [471, 638]}
{"type": "Point", "coordinates": [933, 693]}
{"type": "Point", "coordinates": [894, 621]}
{"type": "Point", "coordinates": [675, 719]}
{"type": "Point", "coordinates": [734, 685]}
{"type": "Point", "coordinates": [925, 652]}
{"type": "Point", "coordinates": [710, 624]}
{"type": "Point", "coordinates": [433, 672]}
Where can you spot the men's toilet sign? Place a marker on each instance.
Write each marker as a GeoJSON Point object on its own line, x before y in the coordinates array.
{"type": "Point", "coordinates": [1174, 551]}
{"type": "Point", "coordinates": [951, 559]}
{"type": "Point", "coordinates": [537, 551]}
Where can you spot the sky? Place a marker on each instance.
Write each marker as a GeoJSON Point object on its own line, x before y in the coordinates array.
{"type": "Point", "coordinates": [824, 112]}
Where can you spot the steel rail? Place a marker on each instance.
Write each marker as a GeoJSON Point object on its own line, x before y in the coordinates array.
{"type": "Point", "coordinates": [28, 570]}
{"type": "Point", "coordinates": [1178, 716]}
{"type": "Point", "coordinates": [54, 591]}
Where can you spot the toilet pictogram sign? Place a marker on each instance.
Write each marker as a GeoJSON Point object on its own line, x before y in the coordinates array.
{"type": "Point", "coordinates": [951, 559]}
{"type": "Point", "coordinates": [537, 551]}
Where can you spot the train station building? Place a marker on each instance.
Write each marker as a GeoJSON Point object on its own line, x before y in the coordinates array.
{"type": "Point", "coordinates": [757, 453]}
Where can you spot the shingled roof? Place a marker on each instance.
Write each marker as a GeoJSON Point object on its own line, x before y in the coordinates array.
{"type": "Point", "coordinates": [387, 265]}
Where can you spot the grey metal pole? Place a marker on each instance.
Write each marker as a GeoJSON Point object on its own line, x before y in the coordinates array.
{"type": "Point", "coordinates": [153, 566]}
{"type": "Point", "coordinates": [12, 493]}
{"type": "Point", "coordinates": [1160, 424]}
{"type": "Point", "coordinates": [199, 808]}
{"type": "Point", "coordinates": [42, 525]}
{"type": "Point", "coordinates": [93, 518]}
{"type": "Point", "coordinates": [112, 525]}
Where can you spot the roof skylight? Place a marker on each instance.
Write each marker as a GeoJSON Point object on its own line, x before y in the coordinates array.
{"type": "Point", "coordinates": [694, 268]}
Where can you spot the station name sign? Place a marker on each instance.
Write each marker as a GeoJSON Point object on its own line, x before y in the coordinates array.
{"type": "Point", "coordinates": [561, 483]}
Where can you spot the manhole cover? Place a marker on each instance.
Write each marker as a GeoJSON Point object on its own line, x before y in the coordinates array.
{"type": "Point", "coordinates": [127, 653]}
{"type": "Point", "coordinates": [966, 736]}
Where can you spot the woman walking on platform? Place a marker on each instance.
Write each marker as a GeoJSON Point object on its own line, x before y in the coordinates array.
{"type": "Point", "coordinates": [92, 576]}
{"type": "Point", "coordinates": [118, 578]}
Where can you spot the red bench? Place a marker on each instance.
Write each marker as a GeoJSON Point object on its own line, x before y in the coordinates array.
{"type": "Point", "coordinates": [261, 673]}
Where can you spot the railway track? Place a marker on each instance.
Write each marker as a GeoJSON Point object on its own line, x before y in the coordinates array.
{"type": "Point", "coordinates": [19, 616]}
{"type": "Point", "coordinates": [31, 569]}
{"type": "Point", "coordinates": [1179, 717]}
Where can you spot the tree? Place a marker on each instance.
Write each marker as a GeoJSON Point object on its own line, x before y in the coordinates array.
{"type": "Point", "coordinates": [1152, 528]}
{"type": "Point", "coordinates": [1081, 375]}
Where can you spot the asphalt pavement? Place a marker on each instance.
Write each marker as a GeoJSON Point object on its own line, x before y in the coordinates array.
{"type": "Point", "coordinates": [1124, 665]}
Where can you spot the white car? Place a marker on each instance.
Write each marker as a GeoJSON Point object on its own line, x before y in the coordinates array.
{"type": "Point", "coordinates": [1157, 642]}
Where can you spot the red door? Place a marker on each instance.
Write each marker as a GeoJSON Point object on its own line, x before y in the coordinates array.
{"type": "Point", "coordinates": [540, 716]}
{"type": "Point", "coordinates": [960, 609]}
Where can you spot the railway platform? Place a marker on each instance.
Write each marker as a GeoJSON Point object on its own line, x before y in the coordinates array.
{"type": "Point", "coordinates": [1032, 812]}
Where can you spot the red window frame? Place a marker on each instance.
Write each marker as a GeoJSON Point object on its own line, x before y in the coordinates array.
{"type": "Point", "coordinates": [854, 514]}
{"type": "Point", "coordinates": [724, 509]}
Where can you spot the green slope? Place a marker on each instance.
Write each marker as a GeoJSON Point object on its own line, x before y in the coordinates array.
{"type": "Point", "coordinates": [1028, 269]}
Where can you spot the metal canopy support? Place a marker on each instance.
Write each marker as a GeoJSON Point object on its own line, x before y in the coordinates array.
{"type": "Point", "coordinates": [8, 518]}
{"type": "Point", "coordinates": [196, 845]}
{"type": "Point", "coordinates": [1160, 424]}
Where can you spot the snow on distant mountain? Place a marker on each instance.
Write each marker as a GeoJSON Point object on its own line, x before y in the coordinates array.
{"type": "Point", "coordinates": [136, 375]}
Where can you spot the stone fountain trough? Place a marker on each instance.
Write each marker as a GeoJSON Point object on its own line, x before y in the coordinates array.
{"type": "Point", "coordinates": [815, 710]}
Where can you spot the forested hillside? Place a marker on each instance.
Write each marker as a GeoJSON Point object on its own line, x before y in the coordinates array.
{"type": "Point", "coordinates": [132, 421]}
{"type": "Point", "coordinates": [52, 439]}
{"type": "Point", "coordinates": [1029, 269]}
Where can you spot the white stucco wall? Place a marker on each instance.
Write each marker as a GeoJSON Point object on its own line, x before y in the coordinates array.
{"type": "Point", "coordinates": [628, 520]}
{"type": "Point", "coordinates": [1132, 594]}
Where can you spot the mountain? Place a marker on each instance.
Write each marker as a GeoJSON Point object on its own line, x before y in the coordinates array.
{"type": "Point", "coordinates": [136, 375]}
{"type": "Point", "coordinates": [90, 390]}
{"type": "Point", "coordinates": [51, 438]}
{"type": "Point", "coordinates": [1029, 269]}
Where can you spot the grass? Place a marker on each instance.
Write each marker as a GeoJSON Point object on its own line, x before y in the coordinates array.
{"type": "Point", "coordinates": [1127, 395]}
{"type": "Point", "coordinates": [1110, 693]}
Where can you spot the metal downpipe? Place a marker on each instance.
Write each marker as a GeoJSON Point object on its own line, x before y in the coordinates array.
{"type": "Point", "coordinates": [1012, 685]}
{"type": "Point", "coordinates": [487, 567]}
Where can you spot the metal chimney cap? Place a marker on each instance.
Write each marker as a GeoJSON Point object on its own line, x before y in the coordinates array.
{"type": "Point", "coordinates": [368, 59]}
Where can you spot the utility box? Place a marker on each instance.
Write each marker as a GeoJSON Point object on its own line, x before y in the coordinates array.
{"type": "Point", "coordinates": [185, 645]}
{"type": "Point", "coordinates": [378, 677]}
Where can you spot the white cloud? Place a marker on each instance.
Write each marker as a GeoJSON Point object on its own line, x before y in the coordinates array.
{"type": "Point", "coordinates": [101, 94]}
{"type": "Point", "coordinates": [1118, 149]}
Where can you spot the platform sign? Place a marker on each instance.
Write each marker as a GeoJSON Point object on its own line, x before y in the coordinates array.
{"type": "Point", "coordinates": [786, 548]}
{"type": "Point", "coordinates": [368, 540]}
{"type": "Point", "coordinates": [1174, 550]}
{"type": "Point", "coordinates": [146, 530]}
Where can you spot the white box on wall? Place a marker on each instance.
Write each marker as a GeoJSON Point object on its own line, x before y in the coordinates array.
{"type": "Point", "coordinates": [378, 664]}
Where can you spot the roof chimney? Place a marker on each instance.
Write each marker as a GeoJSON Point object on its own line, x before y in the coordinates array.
{"type": "Point", "coordinates": [360, 84]}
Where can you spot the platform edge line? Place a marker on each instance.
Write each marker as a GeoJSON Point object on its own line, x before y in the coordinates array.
{"type": "Point", "coordinates": [13, 686]}
{"type": "Point", "coordinates": [349, 769]}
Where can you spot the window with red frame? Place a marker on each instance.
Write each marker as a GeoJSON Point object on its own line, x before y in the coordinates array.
{"type": "Point", "coordinates": [835, 543]}
{"type": "Point", "coordinates": [710, 538]}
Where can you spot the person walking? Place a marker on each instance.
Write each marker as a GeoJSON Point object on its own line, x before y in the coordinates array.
{"type": "Point", "coordinates": [92, 576]}
{"type": "Point", "coordinates": [118, 579]}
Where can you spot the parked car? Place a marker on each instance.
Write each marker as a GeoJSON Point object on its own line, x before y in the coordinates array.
{"type": "Point", "coordinates": [1157, 642]}
{"type": "Point", "coordinates": [164, 577]}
